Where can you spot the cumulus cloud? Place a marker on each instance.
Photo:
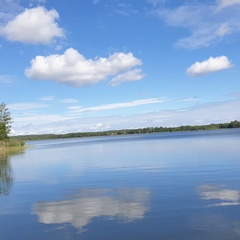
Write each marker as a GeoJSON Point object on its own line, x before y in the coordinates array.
{"type": "Point", "coordinates": [33, 26]}
{"type": "Point", "coordinates": [73, 69]}
{"type": "Point", "coordinates": [206, 24]}
{"type": "Point", "coordinates": [208, 66]}
{"type": "Point", "coordinates": [133, 75]}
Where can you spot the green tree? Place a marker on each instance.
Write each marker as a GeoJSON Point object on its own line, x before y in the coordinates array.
{"type": "Point", "coordinates": [5, 122]}
{"type": "Point", "coordinates": [234, 124]}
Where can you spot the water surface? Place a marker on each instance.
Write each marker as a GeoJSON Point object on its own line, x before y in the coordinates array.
{"type": "Point", "coordinates": [183, 185]}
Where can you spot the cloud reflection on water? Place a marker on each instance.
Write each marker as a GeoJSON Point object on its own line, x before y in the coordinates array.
{"type": "Point", "coordinates": [80, 208]}
{"type": "Point", "coordinates": [224, 197]}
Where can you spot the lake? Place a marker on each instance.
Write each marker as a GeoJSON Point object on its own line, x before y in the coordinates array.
{"type": "Point", "coordinates": [179, 185]}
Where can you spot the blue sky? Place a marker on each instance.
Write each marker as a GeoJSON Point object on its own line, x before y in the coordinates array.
{"type": "Point", "coordinates": [96, 65]}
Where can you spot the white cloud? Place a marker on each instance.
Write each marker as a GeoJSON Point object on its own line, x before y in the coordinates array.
{"type": "Point", "coordinates": [97, 126]}
{"type": "Point", "coordinates": [124, 9]}
{"type": "Point", "coordinates": [206, 24]}
{"type": "Point", "coordinates": [7, 79]}
{"type": "Point", "coordinates": [156, 2]}
{"type": "Point", "coordinates": [208, 66]}
{"type": "Point", "coordinates": [26, 122]}
{"type": "Point", "coordinates": [227, 3]}
{"type": "Point", "coordinates": [47, 98]}
{"type": "Point", "coordinates": [223, 30]}
{"type": "Point", "coordinates": [73, 69]}
{"type": "Point", "coordinates": [26, 106]}
{"type": "Point", "coordinates": [8, 9]}
{"type": "Point", "coordinates": [68, 100]}
{"type": "Point", "coordinates": [132, 75]}
{"type": "Point", "coordinates": [76, 109]}
{"type": "Point", "coordinates": [35, 25]}
{"type": "Point", "coordinates": [58, 48]}
{"type": "Point", "coordinates": [126, 204]}
{"type": "Point", "coordinates": [189, 99]}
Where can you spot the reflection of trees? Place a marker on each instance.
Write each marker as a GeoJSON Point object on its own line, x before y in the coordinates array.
{"type": "Point", "coordinates": [6, 174]}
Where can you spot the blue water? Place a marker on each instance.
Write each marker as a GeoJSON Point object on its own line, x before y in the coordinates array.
{"type": "Point", "coordinates": [182, 185]}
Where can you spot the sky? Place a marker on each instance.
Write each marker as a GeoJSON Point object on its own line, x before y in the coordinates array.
{"type": "Point", "coordinates": [98, 65]}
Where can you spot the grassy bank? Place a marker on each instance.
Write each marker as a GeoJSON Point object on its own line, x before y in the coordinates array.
{"type": "Point", "coordinates": [12, 145]}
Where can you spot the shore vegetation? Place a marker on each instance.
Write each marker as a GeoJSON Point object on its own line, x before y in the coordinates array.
{"type": "Point", "coordinates": [7, 144]}
{"type": "Point", "coordinates": [11, 145]}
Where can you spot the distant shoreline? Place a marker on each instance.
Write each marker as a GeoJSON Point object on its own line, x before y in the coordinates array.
{"type": "Point", "coordinates": [233, 124]}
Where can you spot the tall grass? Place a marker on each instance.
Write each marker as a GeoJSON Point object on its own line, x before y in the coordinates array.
{"type": "Point", "coordinates": [11, 145]}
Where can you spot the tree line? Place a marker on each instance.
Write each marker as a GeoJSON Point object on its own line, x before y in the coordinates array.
{"type": "Point", "coordinates": [233, 124]}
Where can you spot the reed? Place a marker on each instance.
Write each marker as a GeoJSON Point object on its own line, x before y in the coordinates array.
{"type": "Point", "coordinates": [11, 145]}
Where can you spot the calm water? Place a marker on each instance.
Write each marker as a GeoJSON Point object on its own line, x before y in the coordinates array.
{"type": "Point", "coordinates": [156, 186]}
